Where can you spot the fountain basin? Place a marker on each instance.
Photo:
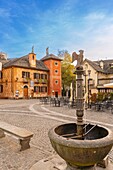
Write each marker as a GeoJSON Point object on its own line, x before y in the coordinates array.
{"type": "Point", "coordinates": [92, 148]}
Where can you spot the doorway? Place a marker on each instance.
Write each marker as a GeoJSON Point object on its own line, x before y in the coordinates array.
{"type": "Point", "coordinates": [26, 92]}
{"type": "Point", "coordinates": [56, 94]}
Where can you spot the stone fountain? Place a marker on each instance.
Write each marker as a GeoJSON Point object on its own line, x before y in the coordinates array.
{"type": "Point", "coordinates": [82, 145]}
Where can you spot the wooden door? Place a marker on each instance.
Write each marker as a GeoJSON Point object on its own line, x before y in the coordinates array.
{"type": "Point", "coordinates": [25, 92]}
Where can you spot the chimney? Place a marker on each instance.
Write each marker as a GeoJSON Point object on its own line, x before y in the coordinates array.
{"type": "Point", "coordinates": [47, 51]}
{"type": "Point", "coordinates": [101, 64]}
{"type": "Point", "coordinates": [33, 49]}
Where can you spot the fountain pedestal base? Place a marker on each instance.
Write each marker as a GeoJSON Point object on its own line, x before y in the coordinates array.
{"type": "Point", "coordinates": [56, 163]}
{"type": "Point", "coordinates": [80, 168]}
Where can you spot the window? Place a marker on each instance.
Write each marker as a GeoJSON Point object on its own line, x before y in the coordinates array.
{"type": "Point", "coordinates": [0, 74]}
{"type": "Point", "coordinates": [56, 64]}
{"type": "Point", "coordinates": [86, 66]}
{"type": "Point", "coordinates": [43, 76]}
{"type": "Point", "coordinates": [37, 89]}
{"type": "Point", "coordinates": [111, 65]}
{"type": "Point", "coordinates": [56, 71]}
{"type": "Point", "coordinates": [43, 89]}
{"type": "Point", "coordinates": [56, 81]}
{"type": "Point", "coordinates": [25, 74]}
{"type": "Point", "coordinates": [1, 88]}
{"type": "Point", "coordinates": [36, 76]}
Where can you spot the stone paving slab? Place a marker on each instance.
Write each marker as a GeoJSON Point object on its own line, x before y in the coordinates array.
{"type": "Point", "coordinates": [51, 163]}
{"type": "Point", "coordinates": [56, 163]}
{"type": "Point", "coordinates": [29, 114]}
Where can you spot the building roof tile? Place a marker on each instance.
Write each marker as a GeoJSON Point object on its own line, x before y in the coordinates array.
{"type": "Point", "coordinates": [24, 62]}
{"type": "Point", "coordinates": [50, 56]}
{"type": "Point", "coordinates": [107, 66]}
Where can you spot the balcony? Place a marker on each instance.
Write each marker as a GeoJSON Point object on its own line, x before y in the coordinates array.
{"type": "Point", "coordinates": [26, 79]}
{"type": "Point", "coordinates": [36, 81]}
{"type": "Point", "coordinates": [44, 81]}
{"type": "Point", "coordinates": [41, 81]}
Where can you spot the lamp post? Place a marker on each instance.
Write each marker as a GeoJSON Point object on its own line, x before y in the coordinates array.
{"type": "Point", "coordinates": [89, 72]}
{"type": "Point", "coordinates": [85, 80]}
{"type": "Point", "coordinates": [73, 96]}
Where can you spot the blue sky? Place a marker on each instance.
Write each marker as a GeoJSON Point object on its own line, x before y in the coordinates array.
{"type": "Point", "coordinates": [58, 24]}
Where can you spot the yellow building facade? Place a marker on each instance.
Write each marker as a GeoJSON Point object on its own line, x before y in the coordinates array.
{"type": "Point", "coordinates": [98, 73]}
{"type": "Point", "coordinates": [24, 77]}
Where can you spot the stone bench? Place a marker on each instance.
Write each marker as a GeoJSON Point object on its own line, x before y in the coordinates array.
{"type": "Point", "coordinates": [22, 134]}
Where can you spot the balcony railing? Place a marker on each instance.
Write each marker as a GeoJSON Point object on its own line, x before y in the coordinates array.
{"type": "Point", "coordinates": [26, 79]}
{"type": "Point", "coordinates": [44, 81]}
{"type": "Point", "coordinates": [36, 80]}
{"type": "Point", "coordinates": [41, 81]}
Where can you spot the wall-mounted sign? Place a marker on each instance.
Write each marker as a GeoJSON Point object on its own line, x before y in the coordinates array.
{"type": "Point", "coordinates": [32, 83]}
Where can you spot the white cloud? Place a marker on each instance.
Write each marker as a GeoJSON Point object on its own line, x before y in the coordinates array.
{"type": "Point", "coordinates": [59, 28]}
{"type": "Point", "coordinates": [4, 13]}
{"type": "Point", "coordinates": [95, 16]}
{"type": "Point", "coordinates": [96, 39]}
{"type": "Point", "coordinates": [30, 29]}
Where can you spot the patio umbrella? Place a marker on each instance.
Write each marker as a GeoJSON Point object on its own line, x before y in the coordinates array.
{"type": "Point", "coordinates": [109, 85]}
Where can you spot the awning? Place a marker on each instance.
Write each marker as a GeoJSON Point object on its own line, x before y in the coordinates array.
{"type": "Point", "coordinates": [109, 85]}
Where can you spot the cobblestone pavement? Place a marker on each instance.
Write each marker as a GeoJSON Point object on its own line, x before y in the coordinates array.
{"type": "Point", "coordinates": [38, 118]}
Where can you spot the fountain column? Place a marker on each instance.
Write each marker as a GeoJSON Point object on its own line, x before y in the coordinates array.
{"type": "Point", "coordinates": [80, 101]}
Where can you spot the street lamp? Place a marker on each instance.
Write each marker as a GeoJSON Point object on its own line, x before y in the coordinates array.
{"type": "Point", "coordinates": [89, 72]}
{"type": "Point", "coordinates": [52, 93]}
